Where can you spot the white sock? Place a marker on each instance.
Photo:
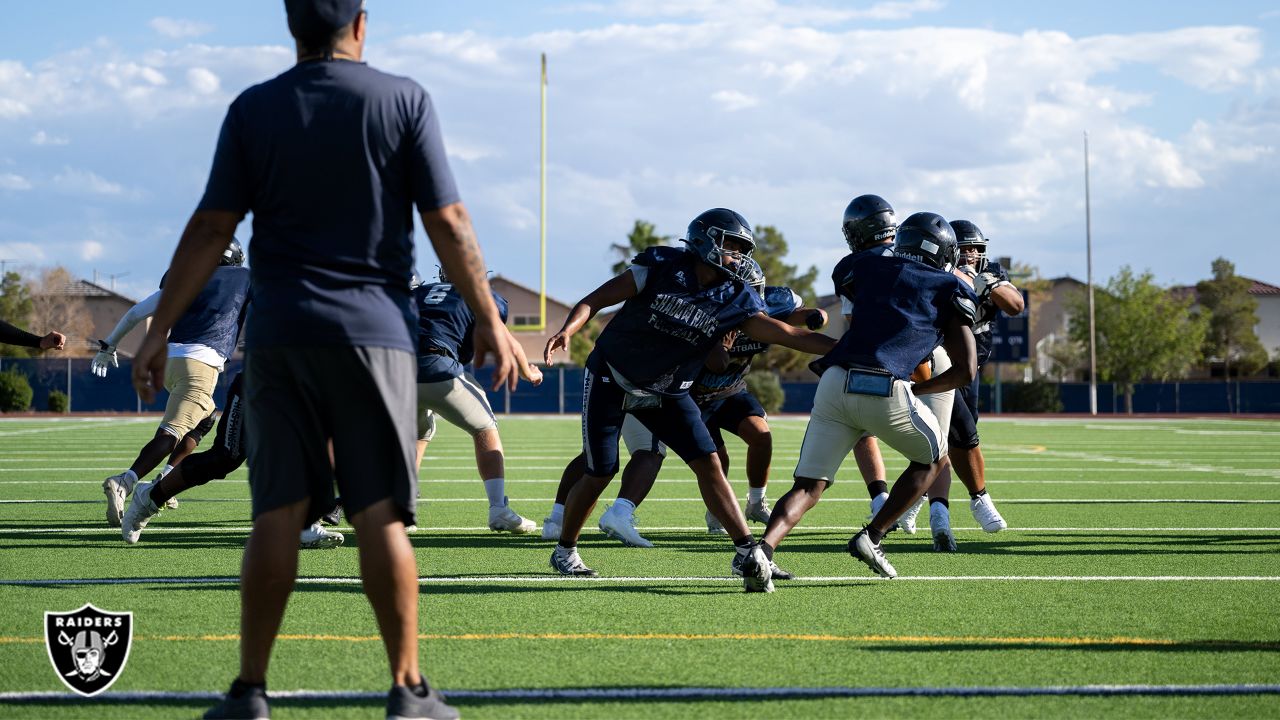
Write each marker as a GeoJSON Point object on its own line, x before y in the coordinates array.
{"type": "Point", "coordinates": [496, 489]}
{"type": "Point", "coordinates": [165, 471]}
{"type": "Point", "coordinates": [130, 479]}
{"type": "Point", "coordinates": [755, 494]}
{"type": "Point", "coordinates": [557, 512]}
{"type": "Point", "coordinates": [878, 501]}
{"type": "Point", "coordinates": [624, 507]}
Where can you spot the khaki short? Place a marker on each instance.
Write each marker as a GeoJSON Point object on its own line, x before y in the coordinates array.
{"type": "Point", "coordinates": [940, 403]}
{"type": "Point", "coordinates": [190, 384]}
{"type": "Point", "coordinates": [460, 400]}
{"type": "Point", "coordinates": [840, 418]}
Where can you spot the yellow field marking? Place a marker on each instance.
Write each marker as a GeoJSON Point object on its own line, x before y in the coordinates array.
{"type": "Point", "coordinates": [790, 637]}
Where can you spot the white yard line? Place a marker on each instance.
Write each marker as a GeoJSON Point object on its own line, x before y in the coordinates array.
{"type": "Point", "coordinates": [482, 529]}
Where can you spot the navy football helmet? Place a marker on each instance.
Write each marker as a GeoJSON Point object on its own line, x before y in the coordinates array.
{"type": "Point", "coordinates": [233, 255]}
{"type": "Point", "coordinates": [868, 221]}
{"type": "Point", "coordinates": [707, 235]}
{"type": "Point", "coordinates": [753, 275]}
{"type": "Point", "coordinates": [928, 238]}
{"type": "Point", "coordinates": [969, 235]}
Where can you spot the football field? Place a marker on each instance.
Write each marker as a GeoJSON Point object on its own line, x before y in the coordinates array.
{"type": "Point", "coordinates": [1140, 577]}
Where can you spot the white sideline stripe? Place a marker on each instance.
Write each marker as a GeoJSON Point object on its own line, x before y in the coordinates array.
{"type": "Point", "coordinates": [76, 424]}
{"type": "Point", "coordinates": [152, 529]}
{"type": "Point", "coordinates": [484, 529]}
{"type": "Point", "coordinates": [1003, 501]}
{"type": "Point", "coordinates": [686, 481]}
{"type": "Point", "coordinates": [626, 579]}
{"type": "Point", "coordinates": [677, 693]}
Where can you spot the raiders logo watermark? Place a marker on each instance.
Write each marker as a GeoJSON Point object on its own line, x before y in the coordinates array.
{"type": "Point", "coordinates": [88, 647]}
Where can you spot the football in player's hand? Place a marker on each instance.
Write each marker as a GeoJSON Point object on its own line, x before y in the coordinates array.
{"type": "Point", "coordinates": [923, 372]}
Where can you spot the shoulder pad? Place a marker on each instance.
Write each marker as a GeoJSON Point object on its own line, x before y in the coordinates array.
{"type": "Point", "coordinates": [658, 254]}
{"type": "Point", "coordinates": [781, 301]}
{"type": "Point", "coordinates": [967, 308]}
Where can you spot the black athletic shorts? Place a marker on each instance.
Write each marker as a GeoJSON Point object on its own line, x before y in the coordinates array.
{"type": "Point", "coordinates": [676, 422]}
{"type": "Point", "coordinates": [728, 413]}
{"type": "Point", "coordinates": [363, 398]}
{"type": "Point", "coordinates": [964, 417]}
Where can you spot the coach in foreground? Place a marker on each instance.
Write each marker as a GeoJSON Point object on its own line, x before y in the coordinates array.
{"type": "Point", "coordinates": [330, 157]}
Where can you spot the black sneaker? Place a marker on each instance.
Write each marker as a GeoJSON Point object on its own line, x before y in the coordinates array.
{"type": "Point", "coordinates": [334, 517]}
{"type": "Point", "coordinates": [421, 703]}
{"type": "Point", "coordinates": [569, 563]}
{"type": "Point", "coordinates": [250, 705]}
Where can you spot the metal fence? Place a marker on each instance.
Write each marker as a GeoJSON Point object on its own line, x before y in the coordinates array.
{"type": "Point", "coordinates": [561, 392]}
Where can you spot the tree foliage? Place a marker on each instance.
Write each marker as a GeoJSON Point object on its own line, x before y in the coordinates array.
{"type": "Point", "coordinates": [15, 309]}
{"type": "Point", "coordinates": [1143, 331]}
{"type": "Point", "coordinates": [1232, 316]}
{"type": "Point", "coordinates": [643, 235]}
{"type": "Point", "coordinates": [52, 308]}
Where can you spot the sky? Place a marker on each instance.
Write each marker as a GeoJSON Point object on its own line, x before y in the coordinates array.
{"type": "Point", "coordinates": [660, 109]}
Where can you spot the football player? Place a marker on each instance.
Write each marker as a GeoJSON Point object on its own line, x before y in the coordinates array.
{"type": "Point", "coordinates": [676, 309]}
{"type": "Point", "coordinates": [902, 304]}
{"type": "Point", "coordinates": [199, 345]}
{"type": "Point", "coordinates": [219, 461]}
{"type": "Point", "coordinates": [995, 294]}
{"type": "Point", "coordinates": [445, 388]}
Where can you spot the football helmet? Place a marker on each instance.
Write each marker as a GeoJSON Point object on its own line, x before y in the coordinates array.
{"type": "Point", "coordinates": [926, 237]}
{"type": "Point", "coordinates": [233, 255]}
{"type": "Point", "coordinates": [708, 233]}
{"type": "Point", "coordinates": [969, 235]}
{"type": "Point", "coordinates": [415, 280]}
{"type": "Point", "coordinates": [868, 221]}
{"type": "Point", "coordinates": [754, 276]}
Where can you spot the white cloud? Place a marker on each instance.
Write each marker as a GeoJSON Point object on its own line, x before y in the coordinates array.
{"type": "Point", "coordinates": [91, 250]}
{"type": "Point", "coordinates": [43, 138]}
{"type": "Point", "coordinates": [732, 100]}
{"type": "Point", "coordinates": [203, 81]}
{"type": "Point", "coordinates": [178, 29]}
{"type": "Point", "coordinates": [85, 182]}
{"type": "Point", "coordinates": [11, 181]}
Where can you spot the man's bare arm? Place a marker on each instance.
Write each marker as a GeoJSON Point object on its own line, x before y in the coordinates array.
{"type": "Point", "coordinates": [958, 341]}
{"type": "Point", "coordinates": [615, 290]}
{"type": "Point", "coordinates": [767, 330]}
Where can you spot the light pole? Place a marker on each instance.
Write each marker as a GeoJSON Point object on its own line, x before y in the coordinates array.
{"type": "Point", "coordinates": [1088, 244]}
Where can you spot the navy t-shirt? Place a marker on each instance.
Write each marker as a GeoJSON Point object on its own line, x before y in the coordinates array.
{"type": "Point", "coordinates": [987, 312]}
{"type": "Point", "coordinates": [709, 386]}
{"type": "Point", "coordinates": [445, 325]}
{"type": "Point", "coordinates": [661, 337]}
{"type": "Point", "coordinates": [331, 157]}
{"type": "Point", "coordinates": [900, 308]}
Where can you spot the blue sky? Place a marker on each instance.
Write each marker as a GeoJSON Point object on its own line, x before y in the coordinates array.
{"type": "Point", "coordinates": [662, 108]}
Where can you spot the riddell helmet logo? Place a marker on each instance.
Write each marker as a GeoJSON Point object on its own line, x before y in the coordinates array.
{"type": "Point", "coordinates": [88, 647]}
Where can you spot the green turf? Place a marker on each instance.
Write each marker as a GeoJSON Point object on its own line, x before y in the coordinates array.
{"type": "Point", "coordinates": [495, 630]}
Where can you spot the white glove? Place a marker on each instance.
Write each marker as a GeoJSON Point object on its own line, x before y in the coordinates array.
{"type": "Point", "coordinates": [984, 283]}
{"type": "Point", "coordinates": [106, 357]}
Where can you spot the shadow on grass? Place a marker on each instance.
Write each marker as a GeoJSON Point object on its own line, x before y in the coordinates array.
{"type": "Point", "coordinates": [1241, 646]}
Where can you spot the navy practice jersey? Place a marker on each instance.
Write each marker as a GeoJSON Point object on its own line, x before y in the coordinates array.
{"type": "Point", "coordinates": [661, 337]}
{"type": "Point", "coordinates": [987, 312]}
{"type": "Point", "coordinates": [216, 314]}
{"type": "Point", "coordinates": [445, 329]}
{"type": "Point", "coordinates": [709, 386]}
{"type": "Point", "coordinates": [900, 308]}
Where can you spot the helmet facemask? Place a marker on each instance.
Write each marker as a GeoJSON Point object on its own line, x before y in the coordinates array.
{"type": "Point", "coordinates": [980, 264]}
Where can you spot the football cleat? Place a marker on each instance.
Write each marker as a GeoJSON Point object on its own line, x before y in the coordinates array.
{"type": "Point", "coordinates": [908, 520]}
{"type": "Point", "coordinates": [333, 517]}
{"type": "Point", "coordinates": [550, 528]}
{"type": "Point", "coordinates": [755, 568]}
{"type": "Point", "coordinates": [878, 502]}
{"type": "Point", "coordinates": [503, 519]}
{"type": "Point", "coordinates": [317, 537]}
{"type": "Point", "coordinates": [759, 511]}
{"type": "Point", "coordinates": [776, 572]}
{"type": "Point", "coordinates": [406, 704]}
{"type": "Point", "coordinates": [861, 547]}
{"type": "Point", "coordinates": [622, 527]}
{"type": "Point", "coordinates": [251, 705]}
{"type": "Point", "coordinates": [944, 540]}
{"type": "Point", "coordinates": [171, 503]}
{"type": "Point", "coordinates": [713, 525]}
{"type": "Point", "coordinates": [139, 513]}
{"type": "Point", "coordinates": [568, 562]}
{"type": "Point", "coordinates": [116, 488]}
{"type": "Point", "coordinates": [985, 513]}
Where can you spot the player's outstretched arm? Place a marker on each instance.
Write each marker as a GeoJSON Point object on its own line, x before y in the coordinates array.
{"type": "Point", "coordinates": [1008, 298]}
{"type": "Point", "coordinates": [455, 244]}
{"type": "Point", "coordinates": [807, 317]}
{"type": "Point", "coordinates": [958, 341]}
{"type": "Point", "coordinates": [106, 357]}
{"type": "Point", "coordinates": [206, 237]}
{"type": "Point", "coordinates": [767, 330]}
{"type": "Point", "coordinates": [616, 290]}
